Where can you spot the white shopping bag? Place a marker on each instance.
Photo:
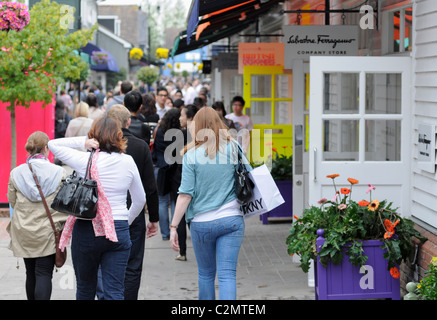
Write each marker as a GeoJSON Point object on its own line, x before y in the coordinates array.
{"type": "Point", "coordinates": [266, 195]}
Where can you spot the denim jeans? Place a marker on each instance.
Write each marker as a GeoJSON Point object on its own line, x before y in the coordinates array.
{"type": "Point", "coordinates": [164, 203]}
{"type": "Point", "coordinates": [134, 268]}
{"type": "Point", "coordinates": [89, 251]}
{"type": "Point", "coordinates": [216, 246]}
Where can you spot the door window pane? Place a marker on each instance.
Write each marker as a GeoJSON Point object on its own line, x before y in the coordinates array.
{"type": "Point", "coordinates": [261, 86]}
{"type": "Point", "coordinates": [261, 112]}
{"type": "Point", "coordinates": [282, 86]}
{"type": "Point", "coordinates": [383, 140]}
{"type": "Point", "coordinates": [340, 141]}
{"type": "Point", "coordinates": [283, 112]}
{"type": "Point", "coordinates": [383, 93]}
{"type": "Point", "coordinates": [341, 93]}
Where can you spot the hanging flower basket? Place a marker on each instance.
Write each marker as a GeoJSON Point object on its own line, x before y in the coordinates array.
{"type": "Point", "coordinates": [13, 16]}
{"type": "Point", "coordinates": [136, 54]}
{"type": "Point", "coordinates": [99, 57]}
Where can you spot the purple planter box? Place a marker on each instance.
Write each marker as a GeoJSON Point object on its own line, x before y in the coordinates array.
{"type": "Point", "coordinates": [345, 282]}
{"type": "Point", "coordinates": [286, 209]}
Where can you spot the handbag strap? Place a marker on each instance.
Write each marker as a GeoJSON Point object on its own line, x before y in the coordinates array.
{"type": "Point", "coordinates": [43, 198]}
{"type": "Point", "coordinates": [89, 165]}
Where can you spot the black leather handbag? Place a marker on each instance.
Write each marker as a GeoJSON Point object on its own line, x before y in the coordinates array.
{"type": "Point", "coordinates": [243, 184]}
{"type": "Point", "coordinates": [78, 196]}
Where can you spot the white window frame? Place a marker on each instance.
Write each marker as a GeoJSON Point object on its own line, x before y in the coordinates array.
{"type": "Point", "coordinates": [117, 22]}
{"type": "Point", "coordinates": [388, 25]}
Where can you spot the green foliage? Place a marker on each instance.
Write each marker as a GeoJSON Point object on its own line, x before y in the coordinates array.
{"type": "Point", "coordinates": [346, 225]}
{"type": "Point", "coordinates": [40, 56]}
{"type": "Point", "coordinates": [427, 287]}
{"type": "Point", "coordinates": [148, 75]}
{"type": "Point", "coordinates": [282, 167]}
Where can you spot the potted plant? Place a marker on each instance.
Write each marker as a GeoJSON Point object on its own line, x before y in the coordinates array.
{"type": "Point", "coordinates": [357, 247]}
{"type": "Point", "coordinates": [282, 173]}
{"type": "Point", "coordinates": [427, 287]}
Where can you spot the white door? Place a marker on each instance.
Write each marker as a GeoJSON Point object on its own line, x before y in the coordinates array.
{"type": "Point", "coordinates": [360, 122]}
{"type": "Point", "coordinates": [300, 136]}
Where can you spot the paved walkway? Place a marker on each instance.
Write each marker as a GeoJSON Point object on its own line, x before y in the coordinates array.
{"type": "Point", "coordinates": [265, 271]}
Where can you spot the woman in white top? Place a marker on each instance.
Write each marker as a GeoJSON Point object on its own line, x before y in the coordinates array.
{"type": "Point", "coordinates": [105, 240]}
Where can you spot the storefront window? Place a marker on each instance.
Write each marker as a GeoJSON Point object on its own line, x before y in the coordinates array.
{"type": "Point", "coordinates": [341, 93]}
{"type": "Point", "coordinates": [383, 140]}
{"type": "Point", "coordinates": [400, 24]}
{"type": "Point", "coordinates": [261, 86]}
{"type": "Point", "coordinates": [383, 93]}
{"type": "Point", "coordinates": [261, 112]}
{"type": "Point", "coordinates": [341, 142]}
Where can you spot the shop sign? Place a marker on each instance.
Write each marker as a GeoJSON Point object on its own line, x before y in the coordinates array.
{"type": "Point", "coordinates": [301, 42]}
{"type": "Point", "coordinates": [426, 147]}
{"type": "Point", "coordinates": [260, 54]}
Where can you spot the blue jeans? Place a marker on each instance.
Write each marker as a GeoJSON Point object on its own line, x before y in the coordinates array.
{"type": "Point", "coordinates": [164, 203]}
{"type": "Point", "coordinates": [216, 245]}
{"type": "Point", "coordinates": [134, 268]}
{"type": "Point", "coordinates": [164, 220]}
{"type": "Point", "coordinates": [89, 251]}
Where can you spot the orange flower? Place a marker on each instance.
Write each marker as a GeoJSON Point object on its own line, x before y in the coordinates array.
{"type": "Point", "coordinates": [345, 190]}
{"type": "Point", "coordinates": [373, 205]}
{"type": "Point", "coordinates": [363, 203]}
{"type": "Point", "coordinates": [352, 181]}
{"type": "Point", "coordinates": [296, 218]}
{"type": "Point", "coordinates": [274, 149]}
{"type": "Point", "coordinates": [390, 226]}
{"type": "Point", "coordinates": [395, 273]}
{"type": "Point", "coordinates": [388, 234]}
{"type": "Point", "coordinates": [333, 176]}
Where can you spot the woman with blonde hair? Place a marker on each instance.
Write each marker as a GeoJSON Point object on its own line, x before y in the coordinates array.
{"type": "Point", "coordinates": [32, 236]}
{"type": "Point", "coordinates": [81, 124]}
{"type": "Point", "coordinates": [207, 197]}
{"type": "Point", "coordinates": [103, 241]}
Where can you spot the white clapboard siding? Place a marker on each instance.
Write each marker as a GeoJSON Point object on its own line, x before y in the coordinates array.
{"type": "Point", "coordinates": [424, 184]}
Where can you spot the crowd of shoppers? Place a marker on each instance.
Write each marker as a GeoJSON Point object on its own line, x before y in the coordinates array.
{"type": "Point", "coordinates": [140, 171]}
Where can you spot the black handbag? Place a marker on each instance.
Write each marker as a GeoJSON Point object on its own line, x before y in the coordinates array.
{"type": "Point", "coordinates": [78, 196]}
{"type": "Point", "coordinates": [243, 184]}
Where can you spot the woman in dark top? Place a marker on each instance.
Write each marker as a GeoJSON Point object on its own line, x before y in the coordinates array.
{"type": "Point", "coordinates": [187, 114]}
{"type": "Point", "coordinates": [148, 109]}
{"type": "Point", "coordinates": [220, 108]}
{"type": "Point", "coordinates": [165, 167]}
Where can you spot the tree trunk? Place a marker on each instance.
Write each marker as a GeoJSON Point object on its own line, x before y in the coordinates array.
{"type": "Point", "coordinates": [13, 137]}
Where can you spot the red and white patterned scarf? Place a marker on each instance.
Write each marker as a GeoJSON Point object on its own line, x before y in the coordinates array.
{"type": "Point", "coordinates": [103, 223]}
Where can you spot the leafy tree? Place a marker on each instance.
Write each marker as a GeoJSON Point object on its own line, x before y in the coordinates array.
{"type": "Point", "coordinates": [33, 61]}
{"type": "Point", "coordinates": [148, 75]}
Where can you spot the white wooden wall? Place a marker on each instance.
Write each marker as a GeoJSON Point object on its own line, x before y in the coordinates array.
{"type": "Point", "coordinates": [424, 184]}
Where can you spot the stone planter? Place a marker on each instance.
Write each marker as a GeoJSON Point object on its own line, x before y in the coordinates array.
{"type": "Point", "coordinates": [285, 210]}
{"type": "Point", "coordinates": [346, 282]}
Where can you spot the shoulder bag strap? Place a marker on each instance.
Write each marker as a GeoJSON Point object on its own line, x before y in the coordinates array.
{"type": "Point", "coordinates": [89, 165]}
{"type": "Point", "coordinates": [43, 198]}
{"type": "Point", "coordinates": [77, 132]}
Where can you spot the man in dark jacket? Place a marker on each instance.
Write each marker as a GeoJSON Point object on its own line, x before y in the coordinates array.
{"type": "Point", "coordinates": [140, 152]}
{"type": "Point", "coordinates": [133, 101]}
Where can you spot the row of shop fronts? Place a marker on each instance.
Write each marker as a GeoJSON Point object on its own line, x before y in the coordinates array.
{"type": "Point", "coordinates": [353, 91]}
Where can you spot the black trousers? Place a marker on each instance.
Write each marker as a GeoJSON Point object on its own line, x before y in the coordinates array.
{"type": "Point", "coordinates": [182, 236]}
{"type": "Point", "coordinates": [132, 281]}
{"type": "Point", "coordinates": [39, 272]}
